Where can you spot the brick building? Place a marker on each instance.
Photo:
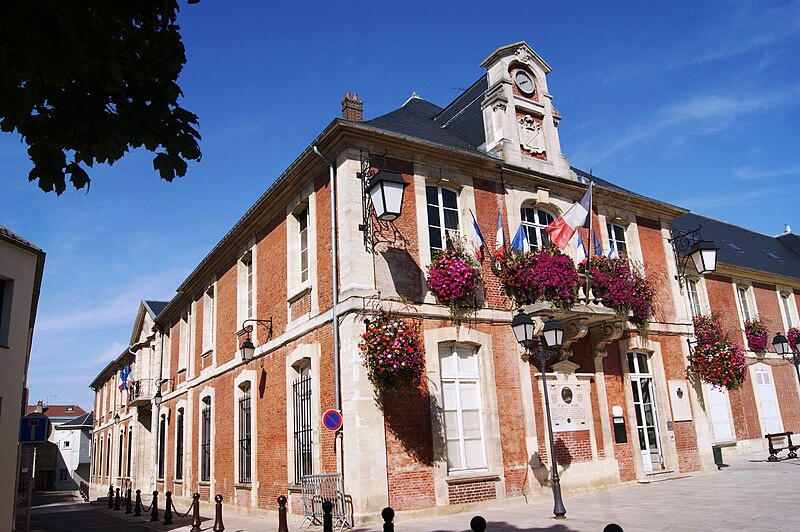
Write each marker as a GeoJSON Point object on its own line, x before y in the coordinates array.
{"type": "Point", "coordinates": [249, 431]}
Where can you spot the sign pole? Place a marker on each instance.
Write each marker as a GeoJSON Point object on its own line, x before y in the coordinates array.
{"type": "Point", "coordinates": [30, 489]}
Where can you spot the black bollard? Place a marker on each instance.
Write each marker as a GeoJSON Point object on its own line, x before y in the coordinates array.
{"type": "Point", "coordinates": [168, 508]}
{"type": "Point", "coordinates": [388, 519]}
{"type": "Point", "coordinates": [327, 518]}
{"type": "Point", "coordinates": [282, 525]}
{"type": "Point", "coordinates": [116, 501]}
{"type": "Point", "coordinates": [110, 496]}
{"type": "Point", "coordinates": [137, 508]}
{"type": "Point", "coordinates": [154, 511]}
{"type": "Point", "coordinates": [196, 513]}
{"type": "Point", "coordinates": [218, 526]}
{"type": "Point", "coordinates": [128, 507]}
{"type": "Point", "coordinates": [477, 524]}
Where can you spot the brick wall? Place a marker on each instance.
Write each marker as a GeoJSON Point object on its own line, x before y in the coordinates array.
{"type": "Point", "coordinates": [745, 413]}
{"type": "Point", "coordinates": [723, 305]}
{"type": "Point", "coordinates": [655, 266]}
{"type": "Point", "coordinates": [488, 202]}
{"type": "Point", "coordinates": [471, 492]}
{"type": "Point", "coordinates": [785, 378]}
{"type": "Point", "coordinates": [769, 311]}
{"type": "Point", "coordinates": [615, 391]}
{"type": "Point", "coordinates": [571, 447]}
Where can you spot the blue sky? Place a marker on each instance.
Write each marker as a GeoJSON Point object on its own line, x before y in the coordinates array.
{"type": "Point", "coordinates": [694, 103]}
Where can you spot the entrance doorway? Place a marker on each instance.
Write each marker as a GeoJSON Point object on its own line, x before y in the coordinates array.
{"type": "Point", "coordinates": [644, 404]}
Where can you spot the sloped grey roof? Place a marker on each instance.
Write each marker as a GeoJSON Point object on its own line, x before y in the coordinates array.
{"type": "Point", "coordinates": [416, 119]}
{"type": "Point", "coordinates": [745, 248]}
{"type": "Point", "coordinates": [464, 117]}
{"type": "Point", "coordinates": [86, 420]}
{"type": "Point", "coordinates": [155, 307]}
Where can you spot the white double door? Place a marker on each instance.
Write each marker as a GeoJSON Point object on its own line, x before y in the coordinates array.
{"type": "Point", "coordinates": [717, 403]}
{"type": "Point", "coordinates": [770, 413]}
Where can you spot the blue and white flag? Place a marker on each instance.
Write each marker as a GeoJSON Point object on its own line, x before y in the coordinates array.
{"type": "Point", "coordinates": [612, 252]}
{"type": "Point", "coordinates": [581, 249]}
{"type": "Point", "coordinates": [476, 238]}
{"type": "Point", "coordinates": [598, 249]}
{"type": "Point", "coordinates": [520, 242]}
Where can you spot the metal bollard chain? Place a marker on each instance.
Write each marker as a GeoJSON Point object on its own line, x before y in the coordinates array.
{"type": "Point", "coordinates": [168, 508]}
{"type": "Point", "coordinates": [282, 525]}
{"type": "Point", "coordinates": [154, 511]}
{"type": "Point", "coordinates": [137, 508]}
{"type": "Point", "coordinates": [196, 513]}
{"type": "Point", "coordinates": [477, 524]}
{"type": "Point", "coordinates": [116, 501]}
{"type": "Point", "coordinates": [110, 496]}
{"type": "Point", "coordinates": [128, 508]}
{"type": "Point", "coordinates": [327, 517]}
{"type": "Point", "coordinates": [388, 519]}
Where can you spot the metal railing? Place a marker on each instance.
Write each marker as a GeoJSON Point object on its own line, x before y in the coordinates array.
{"type": "Point", "coordinates": [321, 488]}
{"type": "Point", "coordinates": [141, 390]}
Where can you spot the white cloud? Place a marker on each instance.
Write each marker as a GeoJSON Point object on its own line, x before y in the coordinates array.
{"type": "Point", "coordinates": [755, 197]}
{"type": "Point", "coordinates": [747, 173]}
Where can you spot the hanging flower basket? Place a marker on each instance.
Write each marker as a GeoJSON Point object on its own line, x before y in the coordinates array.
{"type": "Point", "coordinates": [454, 277]}
{"type": "Point", "coordinates": [714, 360]}
{"type": "Point", "coordinates": [757, 335]}
{"type": "Point", "coordinates": [623, 288]}
{"type": "Point", "coordinates": [544, 274]}
{"type": "Point", "coordinates": [392, 352]}
{"type": "Point", "coordinates": [793, 335]}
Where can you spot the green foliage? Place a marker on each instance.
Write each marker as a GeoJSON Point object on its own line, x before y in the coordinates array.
{"type": "Point", "coordinates": [85, 81]}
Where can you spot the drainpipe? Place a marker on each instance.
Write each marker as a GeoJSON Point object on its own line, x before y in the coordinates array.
{"type": "Point", "coordinates": [334, 301]}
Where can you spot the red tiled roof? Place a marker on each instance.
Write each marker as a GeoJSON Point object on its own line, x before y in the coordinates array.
{"type": "Point", "coordinates": [59, 410]}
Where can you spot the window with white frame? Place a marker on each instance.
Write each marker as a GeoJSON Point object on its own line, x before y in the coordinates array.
{"type": "Point", "coordinates": [246, 288]}
{"type": "Point", "coordinates": [245, 434]}
{"type": "Point", "coordinates": [693, 293]}
{"type": "Point", "coordinates": [534, 222]}
{"type": "Point", "coordinates": [443, 222]}
{"type": "Point", "coordinates": [302, 227]}
{"type": "Point", "coordinates": [162, 444]}
{"type": "Point", "coordinates": [209, 319]}
{"type": "Point", "coordinates": [616, 237]}
{"type": "Point", "coordinates": [786, 308]}
{"type": "Point", "coordinates": [303, 426]}
{"type": "Point", "coordinates": [744, 304]}
{"type": "Point", "coordinates": [205, 441]}
{"type": "Point", "coordinates": [463, 419]}
{"type": "Point", "coordinates": [185, 338]}
{"type": "Point", "coordinates": [179, 445]}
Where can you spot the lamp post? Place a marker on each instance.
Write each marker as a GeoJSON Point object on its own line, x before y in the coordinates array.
{"type": "Point", "coordinates": [553, 335]}
{"type": "Point", "coordinates": [783, 348]}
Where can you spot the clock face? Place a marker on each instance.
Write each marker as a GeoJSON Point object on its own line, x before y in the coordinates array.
{"type": "Point", "coordinates": [524, 82]}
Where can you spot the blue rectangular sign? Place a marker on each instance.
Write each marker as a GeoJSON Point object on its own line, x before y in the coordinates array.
{"type": "Point", "coordinates": [33, 429]}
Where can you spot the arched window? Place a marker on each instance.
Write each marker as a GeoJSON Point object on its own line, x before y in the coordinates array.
{"type": "Point", "coordinates": [534, 222]}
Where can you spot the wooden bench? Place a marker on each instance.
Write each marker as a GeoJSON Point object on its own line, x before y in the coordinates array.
{"type": "Point", "coordinates": [779, 442]}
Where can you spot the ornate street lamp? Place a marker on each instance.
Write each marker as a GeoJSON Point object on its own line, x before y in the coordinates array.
{"type": "Point", "coordinates": [158, 398]}
{"type": "Point", "coordinates": [116, 418]}
{"type": "Point", "coordinates": [553, 335]}
{"type": "Point", "coordinates": [247, 349]}
{"type": "Point", "coordinates": [385, 191]}
{"type": "Point", "coordinates": [689, 244]}
{"type": "Point", "coordinates": [784, 348]}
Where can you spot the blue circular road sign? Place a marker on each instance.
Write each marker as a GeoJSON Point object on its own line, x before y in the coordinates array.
{"type": "Point", "coordinates": [332, 419]}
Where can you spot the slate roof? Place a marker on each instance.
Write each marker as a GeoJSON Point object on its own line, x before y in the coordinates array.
{"type": "Point", "coordinates": [83, 421]}
{"type": "Point", "coordinates": [745, 248]}
{"type": "Point", "coordinates": [463, 116]}
{"type": "Point", "coordinates": [416, 119]}
{"type": "Point", "coordinates": [155, 307]}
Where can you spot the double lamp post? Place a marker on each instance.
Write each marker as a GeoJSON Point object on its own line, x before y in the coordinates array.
{"type": "Point", "coordinates": [784, 348]}
{"type": "Point", "coordinates": [552, 335]}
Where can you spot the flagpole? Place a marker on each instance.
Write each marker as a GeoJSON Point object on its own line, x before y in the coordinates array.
{"type": "Point", "coordinates": [591, 240]}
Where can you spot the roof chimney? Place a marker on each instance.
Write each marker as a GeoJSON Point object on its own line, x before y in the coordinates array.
{"type": "Point", "coordinates": [39, 407]}
{"type": "Point", "coordinates": [352, 109]}
{"type": "Point", "coordinates": [787, 229]}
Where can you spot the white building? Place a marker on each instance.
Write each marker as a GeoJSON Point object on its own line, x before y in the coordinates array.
{"type": "Point", "coordinates": [73, 440]}
{"type": "Point", "coordinates": [21, 267]}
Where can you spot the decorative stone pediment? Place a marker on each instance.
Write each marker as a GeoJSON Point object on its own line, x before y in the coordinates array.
{"type": "Point", "coordinates": [565, 367]}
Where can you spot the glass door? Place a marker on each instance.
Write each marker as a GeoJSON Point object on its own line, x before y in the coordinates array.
{"type": "Point", "coordinates": [644, 403]}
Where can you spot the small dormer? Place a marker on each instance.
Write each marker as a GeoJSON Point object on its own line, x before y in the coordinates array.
{"type": "Point", "coordinates": [520, 122]}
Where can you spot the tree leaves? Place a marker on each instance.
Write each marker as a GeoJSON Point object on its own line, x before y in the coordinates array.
{"type": "Point", "coordinates": [86, 81]}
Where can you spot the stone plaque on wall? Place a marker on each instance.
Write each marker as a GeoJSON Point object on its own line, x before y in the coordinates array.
{"type": "Point", "coordinates": [570, 406]}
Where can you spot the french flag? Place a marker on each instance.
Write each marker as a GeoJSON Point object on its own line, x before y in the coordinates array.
{"type": "Point", "coordinates": [500, 239]}
{"type": "Point", "coordinates": [581, 250]}
{"type": "Point", "coordinates": [563, 227]}
{"type": "Point", "coordinates": [476, 237]}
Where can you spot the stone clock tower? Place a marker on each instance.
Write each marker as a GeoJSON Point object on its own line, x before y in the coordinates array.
{"type": "Point", "coordinates": [520, 122]}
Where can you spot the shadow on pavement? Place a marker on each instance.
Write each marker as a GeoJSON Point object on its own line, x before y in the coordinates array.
{"type": "Point", "coordinates": [501, 526]}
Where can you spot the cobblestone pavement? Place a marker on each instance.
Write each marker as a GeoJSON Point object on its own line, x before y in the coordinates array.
{"type": "Point", "coordinates": [750, 494]}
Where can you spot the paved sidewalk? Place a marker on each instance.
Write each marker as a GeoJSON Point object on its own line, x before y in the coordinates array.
{"type": "Point", "coordinates": [750, 494]}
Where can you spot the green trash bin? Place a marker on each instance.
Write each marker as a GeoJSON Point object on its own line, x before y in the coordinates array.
{"type": "Point", "coordinates": [718, 456]}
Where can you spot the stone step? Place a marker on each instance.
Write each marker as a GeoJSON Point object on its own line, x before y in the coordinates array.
{"type": "Point", "coordinates": [660, 476]}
